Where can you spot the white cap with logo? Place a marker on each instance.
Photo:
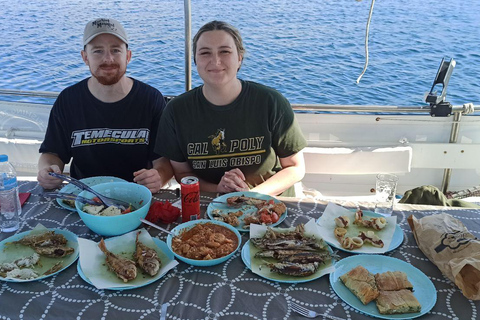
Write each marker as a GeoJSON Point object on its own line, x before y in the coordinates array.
{"type": "Point", "coordinates": [101, 26]}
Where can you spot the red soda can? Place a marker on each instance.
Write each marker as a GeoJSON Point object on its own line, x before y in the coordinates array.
{"type": "Point", "coordinates": [190, 198]}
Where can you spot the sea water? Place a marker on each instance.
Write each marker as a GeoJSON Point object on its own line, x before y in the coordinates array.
{"type": "Point", "coordinates": [311, 51]}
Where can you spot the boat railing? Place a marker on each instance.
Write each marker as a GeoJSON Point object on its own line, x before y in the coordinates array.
{"type": "Point", "coordinates": [24, 93]}
{"type": "Point", "coordinates": [462, 109]}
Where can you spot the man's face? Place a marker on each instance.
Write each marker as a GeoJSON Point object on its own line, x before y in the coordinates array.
{"type": "Point", "coordinates": [107, 57]}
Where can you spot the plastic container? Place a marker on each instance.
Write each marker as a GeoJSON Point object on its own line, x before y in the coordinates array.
{"type": "Point", "coordinates": [10, 207]}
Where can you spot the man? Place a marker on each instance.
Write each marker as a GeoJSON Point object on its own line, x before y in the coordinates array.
{"type": "Point", "coordinates": [106, 123]}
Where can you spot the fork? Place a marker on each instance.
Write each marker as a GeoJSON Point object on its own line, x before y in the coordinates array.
{"type": "Point", "coordinates": [310, 313]}
{"type": "Point", "coordinates": [122, 205]}
{"type": "Point", "coordinates": [69, 196]}
{"type": "Point", "coordinates": [233, 205]}
{"type": "Point", "coordinates": [163, 312]}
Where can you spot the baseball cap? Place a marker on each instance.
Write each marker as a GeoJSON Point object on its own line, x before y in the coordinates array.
{"type": "Point", "coordinates": [101, 26]}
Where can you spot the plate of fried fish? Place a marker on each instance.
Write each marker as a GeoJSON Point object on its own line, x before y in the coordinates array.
{"type": "Point", "coordinates": [383, 287]}
{"type": "Point", "coordinates": [289, 255]}
{"type": "Point", "coordinates": [241, 209]}
{"type": "Point", "coordinates": [37, 254]}
{"type": "Point", "coordinates": [129, 261]}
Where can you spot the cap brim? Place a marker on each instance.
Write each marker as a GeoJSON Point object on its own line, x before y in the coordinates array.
{"type": "Point", "coordinates": [87, 41]}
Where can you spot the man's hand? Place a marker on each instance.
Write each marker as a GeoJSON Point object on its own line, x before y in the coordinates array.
{"type": "Point", "coordinates": [149, 178]}
{"type": "Point", "coordinates": [47, 181]}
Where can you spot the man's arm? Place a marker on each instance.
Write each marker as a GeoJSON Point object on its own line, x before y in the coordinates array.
{"type": "Point", "coordinates": [155, 178]}
{"type": "Point", "coordinates": [49, 162]}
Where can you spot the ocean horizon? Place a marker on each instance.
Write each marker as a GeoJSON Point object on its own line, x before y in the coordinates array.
{"type": "Point", "coordinates": [310, 51]}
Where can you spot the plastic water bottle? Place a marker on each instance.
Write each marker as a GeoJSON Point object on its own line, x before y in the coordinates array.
{"type": "Point", "coordinates": [10, 207]}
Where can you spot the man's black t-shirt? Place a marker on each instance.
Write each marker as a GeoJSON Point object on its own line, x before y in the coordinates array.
{"type": "Point", "coordinates": [104, 139]}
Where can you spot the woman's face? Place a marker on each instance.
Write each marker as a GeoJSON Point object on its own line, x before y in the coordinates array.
{"type": "Point", "coordinates": [217, 58]}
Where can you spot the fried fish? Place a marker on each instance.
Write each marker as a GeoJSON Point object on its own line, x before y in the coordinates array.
{"type": "Point", "coordinates": [54, 252]}
{"type": "Point", "coordinates": [294, 269]}
{"type": "Point", "coordinates": [46, 239]}
{"type": "Point", "coordinates": [146, 257]}
{"type": "Point", "coordinates": [124, 268]}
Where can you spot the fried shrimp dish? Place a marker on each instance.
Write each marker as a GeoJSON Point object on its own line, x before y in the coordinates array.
{"type": "Point", "coordinates": [351, 243]}
{"type": "Point", "coordinates": [205, 241]}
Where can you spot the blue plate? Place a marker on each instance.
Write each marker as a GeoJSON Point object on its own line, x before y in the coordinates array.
{"type": "Point", "coordinates": [92, 181]}
{"type": "Point", "coordinates": [423, 288]}
{"type": "Point", "coordinates": [160, 244]}
{"type": "Point", "coordinates": [10, 252]}
{"type": "Point", "coordinates": [397, 238]}
{"type": "Point", "coordinates": [246, 260]}
{"type": "Point", "coordinates": [247, 209]}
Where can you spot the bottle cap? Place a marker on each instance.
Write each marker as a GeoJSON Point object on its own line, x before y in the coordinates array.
{"type": "Point", "coordinates": [3, 158]}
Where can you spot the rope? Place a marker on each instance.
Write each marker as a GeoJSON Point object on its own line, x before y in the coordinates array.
{"type": "Point", "coordinates": [468, 108]}
{"type": "Point", "coordinates": [366, 41]}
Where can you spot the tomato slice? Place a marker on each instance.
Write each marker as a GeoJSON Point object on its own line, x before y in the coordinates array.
{"type": "Point", "coordinates": [275, 217]}
{"type": "Point", "coordinates": [265, 217]}
{"type": "Point", "coordinates": [129, 209]}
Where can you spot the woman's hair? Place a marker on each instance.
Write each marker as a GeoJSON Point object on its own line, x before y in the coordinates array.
{"type": "Point", "coordinates": [220, 25]}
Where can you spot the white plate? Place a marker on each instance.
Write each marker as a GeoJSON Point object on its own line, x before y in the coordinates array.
{"type": "Point", "coordinates": [397, 238]}
{"type": "Point", "coordinates": [92, 181]}
{"type": "Point", "coordinates": [147, 279]}
{"type": "Point", "coordinates": [247, 209]}
{"type": "Point", "coordinates": [246, 259]}
{"type": "Point", "coordinates": [11, 252]}
{"type": "Point", "coordinates": [423, 288]}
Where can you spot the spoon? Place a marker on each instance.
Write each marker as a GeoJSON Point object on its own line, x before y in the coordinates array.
{"type": "Point", "coordinates": [156, 226]}
{"type": "Point", "coordinates": [122, 205]}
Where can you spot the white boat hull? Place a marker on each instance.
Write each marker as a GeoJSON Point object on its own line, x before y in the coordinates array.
{"type": "Point", "coordinates": [345, 151]}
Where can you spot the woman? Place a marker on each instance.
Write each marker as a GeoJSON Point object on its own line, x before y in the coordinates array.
{"type": "Point", "coordinates": [234, 135]}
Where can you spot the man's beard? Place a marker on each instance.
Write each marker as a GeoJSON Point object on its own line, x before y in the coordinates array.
{"type": "Point", "coordinates": [110, 79]}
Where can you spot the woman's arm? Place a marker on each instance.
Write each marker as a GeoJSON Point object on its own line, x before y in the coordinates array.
{"type": "Point", "coordinates": [293, 170]}
{"type": "Point", "coordinates": [232, 180]}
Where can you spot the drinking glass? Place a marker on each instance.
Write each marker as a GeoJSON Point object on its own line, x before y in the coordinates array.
{"type": "Point", "coordinates": [386, 186]}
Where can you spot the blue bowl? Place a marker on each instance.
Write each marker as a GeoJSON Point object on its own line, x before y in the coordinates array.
{"type": "Point", "coordinates": [202, 263]}
{"type": "Point", "coordinates": [137, 195]}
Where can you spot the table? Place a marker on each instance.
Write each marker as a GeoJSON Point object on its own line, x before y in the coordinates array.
{"type": "Point", "coordinates": [226, 291]}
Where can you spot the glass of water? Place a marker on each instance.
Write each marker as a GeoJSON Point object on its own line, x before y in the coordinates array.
{"type": "Point", "coordinates": [385, 189]}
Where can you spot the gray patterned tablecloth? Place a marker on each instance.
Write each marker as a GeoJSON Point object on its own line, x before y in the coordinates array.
{"type": "Point", "coordinates": [226, 291]}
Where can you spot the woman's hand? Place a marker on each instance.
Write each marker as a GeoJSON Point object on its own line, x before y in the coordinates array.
{"type": "Point", "coordinates": [232, 181]}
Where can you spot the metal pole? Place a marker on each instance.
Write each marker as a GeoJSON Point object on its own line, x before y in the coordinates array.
{"type": "Point", "coordinates": [447, 173]}
{"type": "Point", "coordinates": [188, 45]}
